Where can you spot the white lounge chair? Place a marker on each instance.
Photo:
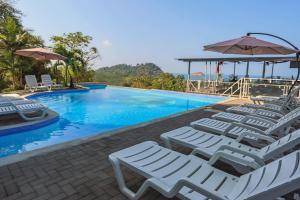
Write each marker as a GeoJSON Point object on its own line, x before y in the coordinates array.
{"type": "Point", "coordinates": [276, 100]}
{"type": "Point", "coordinates": [257, 121]}
{"type": "Point", "coordinates": [242, 131]}
{"type": "Point", "coordinates": [47, 81]}
{"type": "Point", "coordinates": [24, 109]}
{"type": "Point", "coordinates": [252, 111]}
{"type": "Point", "coordinates": [240, 156]}
{"type": "Point", "coordinates": [261, 123]}
{"type": "Point", "coordinates": [32, 84]}
{"type": "Point", "coordinates": [288, 104]}
{"type": "Point", "coordinates": [189, 177]}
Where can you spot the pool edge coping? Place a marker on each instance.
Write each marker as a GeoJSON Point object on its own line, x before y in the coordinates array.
{"type": "Point", "coordinates": [29, 154]}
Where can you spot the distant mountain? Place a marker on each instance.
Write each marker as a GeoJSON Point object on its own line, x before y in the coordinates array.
{"type": "Point", "coordinates": [117, 74]}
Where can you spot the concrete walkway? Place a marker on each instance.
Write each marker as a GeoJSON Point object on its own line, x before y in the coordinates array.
{"type": "Point", "coordinates": [83, 171]}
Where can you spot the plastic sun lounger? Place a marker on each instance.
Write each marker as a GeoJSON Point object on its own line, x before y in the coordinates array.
{"type": "Point", "coordinates": [32, 84]}
{"type": "Point", "coordinates": [276, 100]}
{"type": "Point", "coordinates": [288, 104]}
{"type": "Point", "coordinates": [47, 81]}
{"type": "Point", "coordinates": [240, 156]}
{"type": "Point", "coordinates": [257, 121]}
{"type": "Point", "coordinates": [189, 177]}
{"type": "Point", "coordinates": [252, 111]}
{"type": "Point", "coordinates": [24, 109]}
{"type": "Point", "coordinates": [251, 134]}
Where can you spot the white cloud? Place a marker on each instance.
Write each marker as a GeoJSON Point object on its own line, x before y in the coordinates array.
{"type": "Point", "coordinates": [106, 44]}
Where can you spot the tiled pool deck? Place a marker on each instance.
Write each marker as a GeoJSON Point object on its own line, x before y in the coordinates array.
{"type": "Point", "coordinates": [83, 171]}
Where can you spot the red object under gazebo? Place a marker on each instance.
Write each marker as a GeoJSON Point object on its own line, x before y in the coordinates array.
{"type": "Point", "coordinates": [198, 74]}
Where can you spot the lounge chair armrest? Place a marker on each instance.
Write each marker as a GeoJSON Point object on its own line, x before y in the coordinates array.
{"type": "Point", "coordinates": [244, 135]}
{"type": "Point", "coordinates": [233, 158]}
{"type": "Point", "coordinates": [201, 188]}
{"type": "Point", "coordinates": [258, 119]}
{"type": "Point", "coordinates": [257, 159]}
{"type": "Point", "coordinates": [248, 127]}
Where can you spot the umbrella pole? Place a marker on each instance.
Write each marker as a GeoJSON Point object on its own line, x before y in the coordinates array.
{"type": "Point", "coordinates": [234, 65]}
{"type": "Point", "coordinates": [189, 77]}
{"type": "Point", "coordinates": [264, 70]}
{"type": "Point", "coordinates": [272, 71]}
{"type": "Point", "coordinates": [247, 70]}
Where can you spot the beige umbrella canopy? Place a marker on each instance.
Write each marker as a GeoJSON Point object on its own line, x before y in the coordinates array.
{"type": "Point", "coordinates": [248, 45]}
{"type": "Point", "coordinates": [41, 54]}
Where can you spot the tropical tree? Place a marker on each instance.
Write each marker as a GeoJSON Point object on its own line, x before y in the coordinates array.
{"type": "Point", "coordinates": [13, 37]}
{"type": "Point", "coordinates": [6, 9]}
{"type": "Point", "coordinates": [81, 57]}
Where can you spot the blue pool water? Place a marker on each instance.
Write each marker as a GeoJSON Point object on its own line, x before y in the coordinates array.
{"type": "Point", "coordinates": [86, 113]}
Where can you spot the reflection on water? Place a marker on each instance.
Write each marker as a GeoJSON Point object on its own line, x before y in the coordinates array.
{"type": "Point", "coordinates": [86, 113]}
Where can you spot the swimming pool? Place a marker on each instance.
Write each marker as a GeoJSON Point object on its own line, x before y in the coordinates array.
{"type": "Point", "coordinates": [94, 111]}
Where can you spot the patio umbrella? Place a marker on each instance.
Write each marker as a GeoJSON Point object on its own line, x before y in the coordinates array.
{"type": "Point", "coordinates": [40, 54]}
{"type": "Point", "coordinates": [248, 45]}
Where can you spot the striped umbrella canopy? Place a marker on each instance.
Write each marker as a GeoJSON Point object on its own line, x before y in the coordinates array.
{"type": "Point", "coordinates": [41, 54]}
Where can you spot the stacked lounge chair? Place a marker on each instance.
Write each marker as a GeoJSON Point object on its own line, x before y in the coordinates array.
{"type": "Point", "coordinates": [283, 106]}
{"type": "Point", "coordinates": [276, 100]}
{"type": "Point", "coordinates": [257, 121]}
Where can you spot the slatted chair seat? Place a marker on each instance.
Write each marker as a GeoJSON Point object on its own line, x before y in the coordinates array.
{"type": "Point", "coordinates": [249, 120]}
{"type": "Point", "coordinates": [7, 109]}
{"type": "Point", "coordinates": [252, 111]}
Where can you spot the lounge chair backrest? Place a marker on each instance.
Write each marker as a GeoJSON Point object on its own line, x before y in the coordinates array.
{"type": "Point", "coordinates": [31, 81]}
{"type": "Point", "coordinates": [291, 96]}
{"type": "Point", "coordinates": [270, 181]}
{"type": "Point", "coordinates": [285, 143]}
{"type": "Point", "coordinates": [284, 121]}
{"type": "Point", "coordinates": [46, 79]}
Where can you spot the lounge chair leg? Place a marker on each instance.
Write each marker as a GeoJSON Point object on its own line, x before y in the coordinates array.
{"type": "Point", "coordinates": [121, 182]}
{"type": "Point", "coordinates": [167, 142]}
{"type": "Point", "coordinates": [44, 112]}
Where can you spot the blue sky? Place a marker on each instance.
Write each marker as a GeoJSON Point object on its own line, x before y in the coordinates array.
{"type": "Point", "coordinates": [158, 31]}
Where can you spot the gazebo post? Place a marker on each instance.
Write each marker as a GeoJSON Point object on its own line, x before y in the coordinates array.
{"type": "Point", "coordinates": [189, 77]}
{"type": "Point", "coordinates": [209, 71]}
{"type": "Point", "coordinates": [247, 70]}
{"type": "Point", "coordinates": [234, 66]}
{"type": "Point", "coordinates": [272, 70]}
{"type": "Point", "coordinates": [264, 70]}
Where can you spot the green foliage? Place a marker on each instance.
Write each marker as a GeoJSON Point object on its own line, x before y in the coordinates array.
{"type": "Point", "coordinates": [75, 46]}
{"type": "Point", "coordinates": [6, 9]}
{"type": "Point", "coordinates": [148, 76]}
{"type": "Point", "coordinates": [13, 37]}
{"type": "Point", "coordinates": [119, 74]}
